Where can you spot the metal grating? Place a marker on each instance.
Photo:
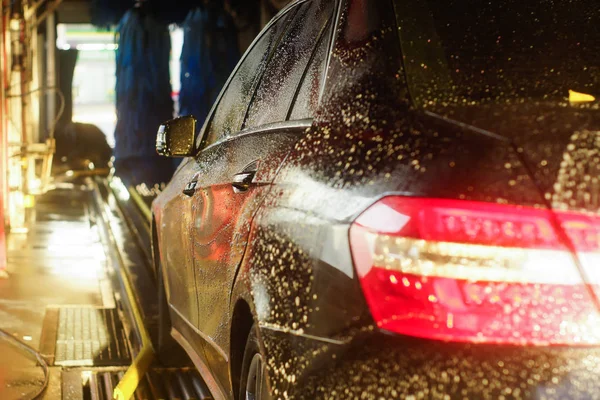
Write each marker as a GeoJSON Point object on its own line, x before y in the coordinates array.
{"type": "Point", "coordinates": [89, 336]}
{"type": "Point", "coordinates": [158, 384]}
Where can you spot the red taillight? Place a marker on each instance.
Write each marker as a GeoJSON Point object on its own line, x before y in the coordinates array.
{"type": "Point", "coordinates": [583, 231]}
{"type": "Point", "coordinates": [469, 271]}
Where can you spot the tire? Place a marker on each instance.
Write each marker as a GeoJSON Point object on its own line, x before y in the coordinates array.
{"type": "Point", "coordinates": [253, 382]}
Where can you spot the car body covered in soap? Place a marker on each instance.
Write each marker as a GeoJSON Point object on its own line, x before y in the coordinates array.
{"type": "Point", "coordinates": [394, 199]}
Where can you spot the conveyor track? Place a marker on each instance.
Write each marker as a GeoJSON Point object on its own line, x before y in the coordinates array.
{"type": "Point", "coordinates": [125, 232]}
{"type": "Point", "coordinates": [158, 384]}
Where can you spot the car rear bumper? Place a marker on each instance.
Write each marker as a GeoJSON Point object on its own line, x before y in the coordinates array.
{"type": "Point", "coordinates": [382, 366]}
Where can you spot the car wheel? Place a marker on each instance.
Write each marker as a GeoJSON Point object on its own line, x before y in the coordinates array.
{"type": "Point", "coordinates": [253, 382]}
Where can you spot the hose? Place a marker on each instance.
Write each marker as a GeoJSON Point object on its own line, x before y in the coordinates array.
{"type": "Point", "coordinates": [40, 359]}
{"type": "Point", "coordinates": [61, 109]}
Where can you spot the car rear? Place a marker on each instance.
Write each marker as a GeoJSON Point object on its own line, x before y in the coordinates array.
{"type": "Point", "coordinates": [467, 299]}
{"type": "Point", "coordinates": [477, 272]}
{"type": "Point", "coordinates": [406, 253]}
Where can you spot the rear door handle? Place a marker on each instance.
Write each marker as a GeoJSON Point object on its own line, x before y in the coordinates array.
{"type": "Point", "coordinates": [242, 181]}
{"type": "Point", "coordinates": [190, 188]}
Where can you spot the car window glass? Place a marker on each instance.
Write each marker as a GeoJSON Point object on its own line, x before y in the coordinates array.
{"type": "Point", "coordinates": [233, 105]}
{"type": "Point", "coordinates": [473, 52]}
{"type": "Point", "coordinates": [307, 98]}
{"type": "Point", "coordinates": [282, 75]}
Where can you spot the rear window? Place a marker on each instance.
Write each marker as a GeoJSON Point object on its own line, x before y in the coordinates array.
{"type": "Point", "coordinates": [500, 50]}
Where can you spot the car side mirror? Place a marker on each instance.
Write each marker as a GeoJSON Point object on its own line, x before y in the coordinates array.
{"type": "Point", "coordinates": [176, 138]}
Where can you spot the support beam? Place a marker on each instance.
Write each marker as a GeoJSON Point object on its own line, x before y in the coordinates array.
{"type": "Point", "coordinates": [4, 220]}
{"type": "Point", "coordinates": [50, 9]}
{"type": "Point", "coordinates": [50, 70]}
{"type": "Point", "coordinates": [3, 144]}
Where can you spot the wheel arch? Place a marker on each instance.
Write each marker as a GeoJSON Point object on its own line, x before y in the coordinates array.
{"type": "Point", "coordinates": [241, 324]}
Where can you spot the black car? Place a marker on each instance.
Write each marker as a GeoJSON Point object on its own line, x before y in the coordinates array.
{"type": "Point", "coordinates": [393, 199]}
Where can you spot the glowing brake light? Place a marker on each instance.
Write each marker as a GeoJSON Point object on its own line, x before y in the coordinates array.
{"type": "Point", "coordinates": [583, 231]}
{"type": "Point", "coordinates": [470, 271]}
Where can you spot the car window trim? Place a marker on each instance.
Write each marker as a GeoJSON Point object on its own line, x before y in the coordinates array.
{"type": "Point", "coordinates": [320, 37]}
{"type": "Point", "coordinates": [411, 98]}
{"type": "Point", "coordinates": [298, 124]}
{"type": "Point", "coordinates": [408, 72]}
{"type": "Point", "coordinates": [337, 16]}
{"type": "Point", "coordinates": [208, 121]}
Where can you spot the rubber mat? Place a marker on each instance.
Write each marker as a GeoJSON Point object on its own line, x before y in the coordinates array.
{"type": "Point", "coordinates": [89, 336]}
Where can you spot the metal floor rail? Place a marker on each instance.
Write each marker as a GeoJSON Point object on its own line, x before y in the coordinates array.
{"type": "Point", "coordinates": [124, 235]}
{"type": "Point", "coordinates": [157, 384]}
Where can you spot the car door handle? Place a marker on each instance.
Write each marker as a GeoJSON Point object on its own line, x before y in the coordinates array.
{"type": "Point", "coordinates": [190, 188]}
{"type": "Point", "coordinates": [242, 181]}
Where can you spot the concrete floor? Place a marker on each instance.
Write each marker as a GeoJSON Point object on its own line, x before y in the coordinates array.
{"type": "Point", "coordinates": [59, 262]}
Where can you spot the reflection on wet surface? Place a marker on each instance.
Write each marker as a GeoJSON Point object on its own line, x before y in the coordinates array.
{"type": "Point", "coordinates": [20, 375]}
{"type": "Point", "coordinates": [60, 261]}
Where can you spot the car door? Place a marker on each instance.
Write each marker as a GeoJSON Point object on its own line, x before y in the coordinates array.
{"type": "Point", "coordinates": [235, 170]}
{"type": "Point", "coordinates": [176, 249]}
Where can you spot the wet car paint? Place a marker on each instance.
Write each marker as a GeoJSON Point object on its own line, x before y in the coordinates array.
{"type": "Point", "coordinates": [221, 227]}
{"type": "Point", "coordinates": [544, 134]}
{"type": "Point", "coordinates": [368, 140]}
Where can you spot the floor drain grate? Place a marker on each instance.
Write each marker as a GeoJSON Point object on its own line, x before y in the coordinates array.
{"type": "Point", "coordinates": [89, 336]}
